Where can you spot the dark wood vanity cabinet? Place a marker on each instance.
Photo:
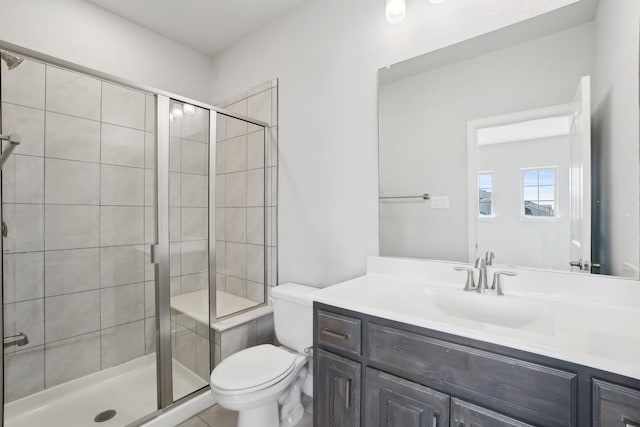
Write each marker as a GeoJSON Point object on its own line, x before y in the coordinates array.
{"type": "Point", "coordinates": [373, 372]}
{"type": "Point", "coordinates": [464, 414]}
{"type": "Point", "coordinates": [340, 383]}
{"type": "Point", "coordinates": [391, 401]}
{"type": "Point", "coordinates": [615, 405]}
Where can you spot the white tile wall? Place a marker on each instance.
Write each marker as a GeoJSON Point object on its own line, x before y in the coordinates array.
{"type": "Point", "coordinates": [68, 227]}
{"type": "Point", "coordinates": [194, 157]}
{"type": "Point", "coordinates": [72, 138]}
{"type": "Point", "coordinates": [23, 375]}
{"type": "Point", "coordinates": [122, 343]}
{"type": "Point", "coordinates": [29, 122]}
{"type": "Point", "coordinates": [193, 223]}
{"type": "Point", "coordinates": [24, 85]}
{"type": "Point", "coordinates": [71, 182]}
{"type": "Point", "coordinates": [72, 93]}
{"type": "Point", "coordinates": [121, 265]}
{"type": "Point", "coordinates": [23, 276]}
{"type": "Point", "coordinates": [84, 349]}
{"type": "Point", "coordinates": [122, 146]}
{"type": "Point", "coordinates": [194, 190]}
{"type": "Point", "coordinates": [120, 225]}
{"type": "Point", "coordinates": [27, 316]}
{"type": "Point", "coordinates": [71, 315]}
{"type": "Point", "coordinates": [27, 231]}
{"type": "Point", "coordinates": [121, 186]}
{"type": "Point", "coordinates": [77, 278]}
{"type": "Point", "coordinates": [236, 154]}
{"type": "Point", "coordinates": [244, 187]}
{"type": "Point", "coordinates": [75, 198]}
{"type": "Point", "coordinates": [236, 225]}
{"type": "Point", "coordinates": [123, 106]}
{"type": "Point", "coordinates": [24, 177]}
{"type": "Point", "coordinates": [121, 304]}
{"type": "Point", "coordinates": [194, 257]}
{"type": "Point", "coordinates": [70, 271]}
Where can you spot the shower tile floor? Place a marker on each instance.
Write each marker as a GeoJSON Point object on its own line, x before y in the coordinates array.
{"type": "Point", "coordinates": [217, 416]}
{"type": "Point", "coordinates": [129, 388]}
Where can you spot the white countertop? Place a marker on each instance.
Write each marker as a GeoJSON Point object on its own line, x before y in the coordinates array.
{"type": "Point", "coordinates": [602, 336]}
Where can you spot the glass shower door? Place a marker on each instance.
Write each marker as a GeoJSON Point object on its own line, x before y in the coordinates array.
{"type": "Point", "coordinates": [189, 246]}
{"type": "Point", "coordinates": [78, 208]}
{"type": "Point", "coordinates": [240, 215]}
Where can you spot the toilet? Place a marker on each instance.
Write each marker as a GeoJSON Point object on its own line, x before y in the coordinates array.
{"type": "Point", "coordinates": [264, 383]}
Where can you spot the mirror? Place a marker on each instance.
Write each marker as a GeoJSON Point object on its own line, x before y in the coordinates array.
{"type": "Point", "coordinates": [523, 142]}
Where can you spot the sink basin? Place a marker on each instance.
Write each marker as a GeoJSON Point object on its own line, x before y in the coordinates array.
{"type": "Point", "coordinates": [506, 311]}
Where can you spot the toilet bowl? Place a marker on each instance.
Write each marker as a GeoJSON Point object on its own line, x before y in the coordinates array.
{"type": "Point", "coordinates": [264, 383]}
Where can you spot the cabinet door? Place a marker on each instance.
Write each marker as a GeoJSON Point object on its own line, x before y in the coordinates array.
{"type": "Point", "coordinates": [615, 405]}
{"type": "Point", "coordinates": [393, 402]}
{"type": "Point", "coordinates": [338, 391]}
{"type": "Point", "coordinates": [464, 414]}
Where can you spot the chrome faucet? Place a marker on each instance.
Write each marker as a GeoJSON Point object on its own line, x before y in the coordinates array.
{"type": "Point", "coordinates": [470, 285]}
{"type": "Point", "coordinates": [481, 265]}
{"type": "Point", "coordinates": [496, 286]}
{"type": "Point", "coordinates": [489, 257]}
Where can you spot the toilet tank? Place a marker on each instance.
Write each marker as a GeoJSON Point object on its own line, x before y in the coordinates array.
{"type": "Point", "coordinates": [293, 315]}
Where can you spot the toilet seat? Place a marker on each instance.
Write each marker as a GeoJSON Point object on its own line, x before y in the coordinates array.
{"type": "Point", "coordinates": [252, 369]}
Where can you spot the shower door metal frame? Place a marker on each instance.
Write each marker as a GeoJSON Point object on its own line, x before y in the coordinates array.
{"type": "Point", "coordinates": [161, 258]}
{"type": "Point", "coordinates": [1, 278]}
{"type": "Point", "coordinates": [160, 250]}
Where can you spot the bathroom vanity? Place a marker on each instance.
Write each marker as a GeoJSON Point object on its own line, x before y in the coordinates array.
{"type": "Point", "coordinates": [406, 346]}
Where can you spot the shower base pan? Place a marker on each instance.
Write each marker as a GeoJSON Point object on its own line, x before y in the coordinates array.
{"type": "Point", "coordinates": [128, 389]}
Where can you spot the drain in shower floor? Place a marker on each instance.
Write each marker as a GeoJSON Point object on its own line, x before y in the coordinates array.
{"type": "Point", "coordinates": [105, 416]}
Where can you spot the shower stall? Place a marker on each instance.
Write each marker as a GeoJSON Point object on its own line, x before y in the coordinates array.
{"type": "Point", "coordinates": [134, 223]}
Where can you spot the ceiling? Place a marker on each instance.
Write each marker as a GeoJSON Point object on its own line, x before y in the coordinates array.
{"type": "Point", "coordinates": [207, 26]}
{"type": "Point", "coordinates": [542, 25]}
{"type": "Point", "coordinates": [526, 130]}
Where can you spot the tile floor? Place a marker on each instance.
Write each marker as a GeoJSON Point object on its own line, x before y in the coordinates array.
{"type": "Point", "coordinates": [217, 416]}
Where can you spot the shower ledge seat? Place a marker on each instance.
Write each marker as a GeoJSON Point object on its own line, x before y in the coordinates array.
{"type": "Point", "coordinates": [196, 305]}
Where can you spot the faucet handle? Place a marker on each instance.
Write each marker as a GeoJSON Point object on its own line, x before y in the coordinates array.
{"type": "Point", "coordinates": [495, 286]}
{"type": "Point", "coordinates": [470, 285]}
{"type": "Point", "coordinates": [489, 257]}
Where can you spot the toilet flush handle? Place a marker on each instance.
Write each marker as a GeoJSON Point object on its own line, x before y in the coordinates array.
{"type": "Point", "coordinates": [309, 351]}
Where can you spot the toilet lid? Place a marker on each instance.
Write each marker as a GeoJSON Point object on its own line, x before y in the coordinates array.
{"type": "Point", "coordinates": [255, 367]}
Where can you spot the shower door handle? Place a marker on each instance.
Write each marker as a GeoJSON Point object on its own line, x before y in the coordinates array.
{"type": "Point", "coordinates": [153, 249]}
{"type": "Point", "coordinates": [19, 340]}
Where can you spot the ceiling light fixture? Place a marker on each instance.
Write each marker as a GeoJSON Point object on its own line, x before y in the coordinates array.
{"type": "Point", "coordinates": [189, 109]}
{"type": "Point", "coordinates": [177, 111]}
{"type": "Point", "coordinates": [396, 11]}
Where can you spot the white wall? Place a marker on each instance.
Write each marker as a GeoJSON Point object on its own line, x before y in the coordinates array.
{"type": "Point", "coordinates": [423, 132]}
{"type": "Point", "coordinates": [82, 33]}
{"type": "Point", "coordinates": [539, 243]}
{"type": "Point", "coordinates": [326, 54]}
{"type": "Point", "coordinates": [616, 136]}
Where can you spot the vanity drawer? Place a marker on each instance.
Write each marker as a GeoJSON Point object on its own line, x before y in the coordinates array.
{"type": "Point", "coordinates": [517, 388]}
{"type": "Point", "coordinates": [464, 414]}
{"type": "Point", "coordinates": [339, 332]}
{"type": "Point", "coordinates": [615, 405]}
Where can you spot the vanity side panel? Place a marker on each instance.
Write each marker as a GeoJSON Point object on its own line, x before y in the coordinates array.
{"type": "Point", "coordinates": [517, 388]}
